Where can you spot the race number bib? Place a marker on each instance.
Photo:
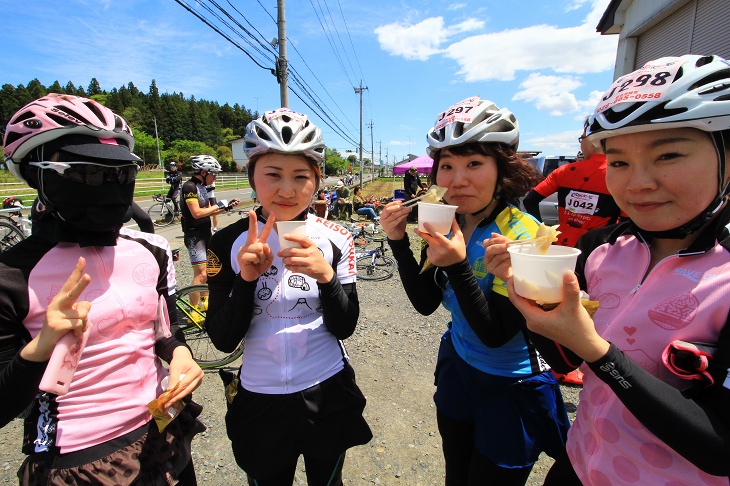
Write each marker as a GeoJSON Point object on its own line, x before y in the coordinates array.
{"type": "Point", "coordinates": [281, 112]}
{"type": "Point", "coordinates": [463, 111]}
{"type": "Point", "coordinates": [581, 202]}
{"type": "Point", "coordinates": [650, 83]}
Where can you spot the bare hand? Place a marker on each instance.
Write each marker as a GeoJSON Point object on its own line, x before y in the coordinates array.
{"type": "Point", "coordinates": [183, 364]}
{"type": "Point", "coordinates": [496, 257]}
{"type": "Point", "coordinates": [442, 251]}
{"type": "Point", "coordinates": [393, 220]}
{"type": "Point", "coordinates": [307, 259]}
{"type": "Point", "coordinates": [63, 314]}
{"type": "Point", "coordinates": [568, 324]}
{"type": "Point", "coordinates": [255, 257]}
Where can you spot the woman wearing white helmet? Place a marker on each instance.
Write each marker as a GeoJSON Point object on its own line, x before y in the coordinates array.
{"type": "Point", "coordinates": [655, 404]}
{"type": "Point", "coordinates": [81, 272]}
{"type": "Point", "coordinates": [498, 405]}
{"type": "Point", "coordinates": [292, 307]}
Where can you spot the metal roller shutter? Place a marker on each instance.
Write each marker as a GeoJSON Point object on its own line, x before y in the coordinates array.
{"type": "Point", "coordinates": [711, 33]}
{"type": "Point", "coordinates": [668, 38]}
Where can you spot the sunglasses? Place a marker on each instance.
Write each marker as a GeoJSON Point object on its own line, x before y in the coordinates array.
{"type": "Point", "coordinates": [91, 173]}
{"type": "Point", "coordinates": [581, 138]}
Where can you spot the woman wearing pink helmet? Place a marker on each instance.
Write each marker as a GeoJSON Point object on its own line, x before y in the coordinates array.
{"type": "Point", "coordinates": [81, 272]}
{"type": "Point", "coordinates": [655, 404]}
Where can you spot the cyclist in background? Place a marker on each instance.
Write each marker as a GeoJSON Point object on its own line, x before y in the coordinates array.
{"type": "Point", "coordinates": [195, 218]}
{"type": "Point", "coordinates": [497, 403]}
{"type": "Point", "coordinates": [82, 268]}
{"type": "Point", "coordinates": [292, 307]}
{"type": "Point", "coordinates": [174, 178]}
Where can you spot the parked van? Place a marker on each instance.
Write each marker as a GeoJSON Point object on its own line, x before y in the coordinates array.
{"type": "Point", "coordinates": [546, 164]}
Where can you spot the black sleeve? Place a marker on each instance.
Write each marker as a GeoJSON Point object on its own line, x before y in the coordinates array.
{"type": "Point", "coordinates": [230, 309]}
{"type": "Point", "coordinates": [698, 428]}
{"type": "Point", "coordinates": [340, 307]}
{"type": "Point", "coordinates": [531, 203]}
{"type": "Point", "coordinates": [165, 346]}
{"type": "Point", "coordinates": [420, 286]}
{"type": "Point", "coordinates": [142, 219]}
{"type": "Point", "coordinates": [19, 382]}
{"type": "Point", "coordinates": [494, 321]}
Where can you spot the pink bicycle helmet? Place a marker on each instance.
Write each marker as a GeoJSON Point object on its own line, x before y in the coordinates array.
{"type": "Point", "coordinates": [56, 115]}
{"type": "Point", "coordinates": [284, 131]}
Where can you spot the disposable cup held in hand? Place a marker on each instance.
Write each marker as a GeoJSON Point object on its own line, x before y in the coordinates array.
{"type": "Point", "coordinates": [290, 228]}
{"type": "Point", "coordinates": [540, 277]}
{"type": "Point", "coordinates": [439, 216]}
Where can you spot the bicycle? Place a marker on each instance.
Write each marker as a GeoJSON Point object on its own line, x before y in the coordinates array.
{"type": "Point", "coordinates": [362, 232]}
{"type": "Point", "coordinates": [10, 236]}
{"type": "Point", "coordinates": [163, 211]}
{"type": "Point", "coordinates": [191, 319]}
{"type": "Point", "coordinates": [375, 264]}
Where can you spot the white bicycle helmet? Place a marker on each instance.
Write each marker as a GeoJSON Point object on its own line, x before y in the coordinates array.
{"type": "Point", "coordinates": [487, 124]}
{"type": "Point", "coordinates": [698, 96]}
{"type": "Point", "coordinates": [206, 163]}
{"type": "Point", "coordinates": [283, 131]}
{"type": "Point", "coordinates": [57, 115]}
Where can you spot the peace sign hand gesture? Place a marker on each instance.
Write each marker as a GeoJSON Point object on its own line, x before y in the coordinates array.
{"type": "Point", "coordinates": [255, 257]}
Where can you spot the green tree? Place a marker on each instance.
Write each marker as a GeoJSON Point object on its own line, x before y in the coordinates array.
{"type": "Point", "coordinates": [334, 163]}
{"type": "Point", "coordinates": [94, 88]}
{"type": "Point", "coordinates": [145, 146]}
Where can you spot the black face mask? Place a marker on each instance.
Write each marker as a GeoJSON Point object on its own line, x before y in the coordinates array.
{"type": "Point", "coordinates": [87, 209]}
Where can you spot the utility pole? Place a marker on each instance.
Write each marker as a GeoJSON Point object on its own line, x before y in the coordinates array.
{"type": "Point", "coordinates": [282, 73]}
{"type": "Point", "coordinates": [159, 159]}
{"type": "Point", "coordinates": [372, 153]}
{"type": "Point", "coordinates": [359, 90]}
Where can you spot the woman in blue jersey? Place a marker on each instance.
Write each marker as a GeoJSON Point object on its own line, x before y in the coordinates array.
{"type": "Point", "coordinates": [498, 405]}
{"type": "Point", "coordinates": [293, 307]}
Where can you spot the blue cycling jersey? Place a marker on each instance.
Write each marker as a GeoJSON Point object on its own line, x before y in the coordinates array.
{"type": "Point", "coordinates": [513, 358]}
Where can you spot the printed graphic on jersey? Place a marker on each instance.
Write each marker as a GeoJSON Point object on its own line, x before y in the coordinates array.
{"type": "Point", "coordinates": [301, 301]}
{"type": "Point", "coordinates": [264, 293]}
{"type": "Point", "coordinates": [675, 312]}
{"type": "Point", "coordinates": [479, 269]}
{"type": "Point", "coordinates": [145, 275]}
{"type": "Point", "coordinates": [298, 282]}
{"type": "Point", "coordinates": [214, 264]}
{"type": "Point", "coordinates": [271, 271]}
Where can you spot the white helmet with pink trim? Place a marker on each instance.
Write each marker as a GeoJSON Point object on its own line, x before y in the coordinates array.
{"type": "Point", "coordinates": [283, 131]}
{"type": "Point", "coordinates": [57, 115]}
{"type": "Point", "coordinates": [473, 120]}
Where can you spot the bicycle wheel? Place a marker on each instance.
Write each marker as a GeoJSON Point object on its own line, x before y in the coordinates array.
{"type": "Point", "coordinates": [383, 268]}
{"type": "Point", "coordinates": [10, 235]}
{"type": "Point", "coordinates": [191, 320]}
{"type": "Point", "coordinates": [161, 214]}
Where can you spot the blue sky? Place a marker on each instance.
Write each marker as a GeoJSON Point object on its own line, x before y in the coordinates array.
{"type": "Point", "coordinates": [542, 59]}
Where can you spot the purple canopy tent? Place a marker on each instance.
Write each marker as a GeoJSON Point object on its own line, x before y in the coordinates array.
{"type": "Point", "coordinates": [423, 163]}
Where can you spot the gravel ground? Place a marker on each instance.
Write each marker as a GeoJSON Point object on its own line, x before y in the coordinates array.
{"type": "Point", "coordinates": [393, 352]}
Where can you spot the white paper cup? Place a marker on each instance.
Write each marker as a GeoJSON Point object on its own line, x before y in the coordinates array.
{"type": "Point", "coordinates": [439, 216]}
{"type": "Point", "coordinates": [290, 228]}
{"type": "Point", "coordinates": [540, 277]}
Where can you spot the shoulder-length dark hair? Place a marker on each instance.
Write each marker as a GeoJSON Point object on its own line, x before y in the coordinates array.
{"type": "Point", "coordinates": [515, 175]}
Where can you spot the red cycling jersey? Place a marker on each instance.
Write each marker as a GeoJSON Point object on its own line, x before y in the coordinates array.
{"type": "Point", "coordinates": [584, 202]}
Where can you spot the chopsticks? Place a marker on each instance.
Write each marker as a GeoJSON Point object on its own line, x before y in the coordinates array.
{"type": "Point", "coordinates": [410, 202]}
{"type": "Point", "coordinates": [525, 242]}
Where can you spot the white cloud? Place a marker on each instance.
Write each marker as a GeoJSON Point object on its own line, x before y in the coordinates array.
{"type": "Point", "coordinates": [500, 55]}
{"type": "Point", "coordinates": [564, 143]}
{"type": "Point", "coordinates": [422, 40]}
{"type": "Point", "coordinates": [456, 6]}
{"type": "Point", "coordinates": [550, 93]}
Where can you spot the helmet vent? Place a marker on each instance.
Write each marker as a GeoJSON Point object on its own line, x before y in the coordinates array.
{"type": "Point", "coordinates": [61, 120]}
{"type": "Point", "coordinates": [71, 113]}
{"type": "Point", "coordinates": [14, 136]}
{"type": "Point", "coordinates": [262, 134]}
{"type": "Point", "coordinates": [95, 109]}
{"type": "Point", "coordinates": [23, 116]}
{"type": "Point", "coordinates": [286, 135]}
{"type": "Point", "coordinates": [713, 78]}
